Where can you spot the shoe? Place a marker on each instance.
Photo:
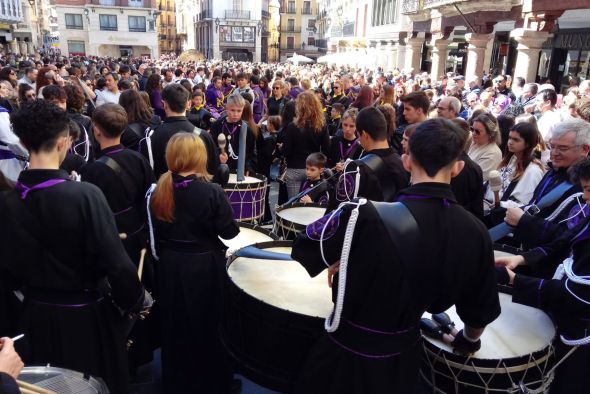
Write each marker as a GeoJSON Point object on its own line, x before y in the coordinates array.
{"type": "Point", "coordinates": [446, 324]}
{"type": "Point", "coordinates": [431, 329]}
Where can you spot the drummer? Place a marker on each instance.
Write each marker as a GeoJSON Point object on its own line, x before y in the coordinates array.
{"type": "Point", "coordinates": [376, 184]}
{"type": "Point", "coordinates": [10, 366]}
{"type": "Point", "coordinates": [372, 343]}
{"type": "Point", "coordinates": [564, 297]}
{"type": "Point", "coordinates": [314, 170]}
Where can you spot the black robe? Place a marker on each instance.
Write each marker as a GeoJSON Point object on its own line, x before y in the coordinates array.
{"type": "Point", "coordinates": [68, 317]}
{"type": "Point", "coordinates": [384, 296]}
{"type": "Point", "coordinates": [191, 262]}
{"type": "Point", "coordinates": [232, 137]}
{"type": "Point", "coordinates": [468, 187]}
{"type": "Point", "coordinates": [342, 149]}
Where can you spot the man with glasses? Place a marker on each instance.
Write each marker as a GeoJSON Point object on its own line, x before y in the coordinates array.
{"type": "Point", "coordinates": [500, 84]}
{"type": "Point", "coordinates": [448, 107]}
{"type": "Point", "coordinates": [338, 96]}
{"type": "Point", "coordinates": [536, 224]}
{"type": "Point", "coordinates": [526, 98]}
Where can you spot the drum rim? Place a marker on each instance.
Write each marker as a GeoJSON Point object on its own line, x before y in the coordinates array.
{"type": "Point", "coordinates": [260, 229]}
{"type": "Point", "coordinates": [263, 245]}
{"type": "Point", "coordinates": [96, 382]}
{"type": "Point", "coordinates": [285, 223]}
{"type": "Point", "coordinates": [441, 355]}
{"type": "Point", "coordinates": [259, 185]}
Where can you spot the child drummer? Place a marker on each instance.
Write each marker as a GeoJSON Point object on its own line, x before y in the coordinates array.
{"type": "Point", "coordinates": [314, 170]}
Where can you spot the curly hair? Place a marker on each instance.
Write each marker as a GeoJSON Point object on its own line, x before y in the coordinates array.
{"type": "Point", "coordinates": [75, 98]}
{"type": "Point", "coordinates": [38, 124]}
{"type": "Point", "coordinates": [309, 112]}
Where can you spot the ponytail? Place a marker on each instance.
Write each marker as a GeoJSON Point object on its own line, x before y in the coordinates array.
{"type": "Point", "coordinates": [163, 198]}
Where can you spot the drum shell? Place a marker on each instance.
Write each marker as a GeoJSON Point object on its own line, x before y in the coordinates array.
{"type": "Point", "coordinates": [247, 198]}
{"type": "Point", "coordinates": [287, 229]}
{"type": "Point", "coordinates": [269, 344]}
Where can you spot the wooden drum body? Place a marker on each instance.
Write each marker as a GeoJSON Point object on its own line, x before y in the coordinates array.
{"type": "Point", "coordinates": [293, 219]}
{"type": "Point", "coordinates": [516, 354]}
{"type": "Point", "coordinates": [247, 197]}
{"type": "Point", "coordinates": [273, 315]}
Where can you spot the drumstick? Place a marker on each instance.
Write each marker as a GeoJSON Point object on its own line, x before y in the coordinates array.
{"type": "Point", "coordinates": [27, 388]}
{"type": "Point", "coordinates": [123, 236]}
{"type": "Point", "coordinates": [141, 259]}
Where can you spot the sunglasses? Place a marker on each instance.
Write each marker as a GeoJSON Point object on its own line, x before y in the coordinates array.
{"type": "Point", "coordinates": [276, 87]}
{"type": "Point", "coordinates": [336, 87]}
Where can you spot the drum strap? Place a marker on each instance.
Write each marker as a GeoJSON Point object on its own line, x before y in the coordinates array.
{"type": "Point", "coordinates": [376, 165]}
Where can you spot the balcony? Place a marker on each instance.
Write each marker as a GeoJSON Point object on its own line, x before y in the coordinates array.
{"type": "Point", "coordinates": [306, 11]}
{"type": "Point", "coordinates": [411, 6]}
{"type": "Point", "coordinates": [291, 10]}
{"type": "Point", "coordinates": [11, 12]}
{"type": "Point", "coordinates": [290, 29]}
{"type": "Point", "coordinates": [206, 14]}
{"type": "Point", "coordinates": [237, 14]}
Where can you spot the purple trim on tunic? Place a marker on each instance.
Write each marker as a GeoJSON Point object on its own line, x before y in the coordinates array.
{"type": "Point", "coordinates": [183, 185]}
{"type": "Point", "coordinates": [577, 214]}
{"type": "Point", "coordinates": [344, 154]}
{"type": "Point", "coordinates": [24, 190]}
{"type": "Point", "coordinates": [123, 211]}
{"type": "Point", "coordinates": [362, 354]}
{"type": "Point", "coordinates": [115, 151]}
{"type": "Point", "coordinates": [378, 331]}
{"type": "Point", "coordinates": [539, 293]}
{"type": "Point", "coordinates": [67, 305]}
{"type": "Point", "coordinates": [538, 196]}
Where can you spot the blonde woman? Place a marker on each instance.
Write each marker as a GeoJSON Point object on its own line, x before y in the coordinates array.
{"type": "Point", "coordinates": [484, 149]}
{"type": "Point", "coordinates": [305, 135]}
{"type": "Point", "coordinates": [188, 214]}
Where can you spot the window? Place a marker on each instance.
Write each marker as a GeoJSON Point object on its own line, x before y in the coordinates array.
{"type": "Point", "coordinates": [135, 3]}
{"type": "Point", "coordinates": [384, 12]}
{"type": "Point", "coordinates": [311, 23]}
{"type": "Point", "coordinates": [108, 22]}
{"type": "Point", "coordinates": [290, 24]}
{"type": "Point", "coordinates": [311, 41]}
{"type": "Point", "coordinates": [291, 7]}
{"type": "Point", "coordinates": [290, 42]}
{"type": "Point", "coordinates": [306, 8]}
{"type": "Point", "coordinates": [136, 23]}
{"type": "Point", "coordinates": [76, 48]}
{"type": "Point", "coordinates": [237, 34]}
{"type": "Point", "coordinates": [74, 21]}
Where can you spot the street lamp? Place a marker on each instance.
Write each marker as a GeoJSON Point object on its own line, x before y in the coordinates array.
{"type": "Point", "coordinates": [217, 23]}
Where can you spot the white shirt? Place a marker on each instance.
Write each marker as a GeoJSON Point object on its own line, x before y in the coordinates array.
{"type": "Point", "coordinates": [26, 81]}
{"type": "Point", "coordinates": [106, 96]}
{"type": "Point", "coordinates": [546, 123]}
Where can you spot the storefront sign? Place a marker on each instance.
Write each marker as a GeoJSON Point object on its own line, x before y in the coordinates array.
{"type": "Point", "coordinates": [572, 40]}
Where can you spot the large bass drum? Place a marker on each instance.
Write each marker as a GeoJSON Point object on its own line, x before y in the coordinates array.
{"type": "Point", "coordinates": [62, 381]}
{"type": "Point", "coordinates": [294, 218]}
{"type": "Point", "coordinates": [246, 197]}
{"type": "Point", "coordinates": [273, 315]}
{"type": "Point", "coordinates": [516, 355]}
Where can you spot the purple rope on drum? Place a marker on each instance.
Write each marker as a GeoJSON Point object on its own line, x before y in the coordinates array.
{"type": "Point", "coordinates": [576, 215]}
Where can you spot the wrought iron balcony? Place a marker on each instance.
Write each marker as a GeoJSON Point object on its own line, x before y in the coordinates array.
{"type": "Point", "coordinates": [411, 6]}
{"type": "Point", "coordinates": [265, 14]}
{"type": "Point", "coordinates": [237, 14]}
{"type": "Point", "coordinates": [306, 11]}
{"type": "Point", "coordinates": [290, 29]}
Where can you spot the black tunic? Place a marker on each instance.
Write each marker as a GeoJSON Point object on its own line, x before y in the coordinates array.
{"type": "Point", "coordinates": [453, 265]}
{"type": "Point", "coordinates": [298, 143]}
{"type": "Point", "coordinates": [191, 261]}
{"type": "Point", "coordinates": [67, 320]}
{"type": "Point", "coordinates": [468, 187]}
{"type": "Point", "coordinates": [232, 136]}
{"type": "Point", "coordinates": [342, 149]}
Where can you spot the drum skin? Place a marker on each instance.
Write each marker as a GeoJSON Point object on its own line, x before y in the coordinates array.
{"type": "Point", "coordinates": [293, 219]}
{"type": "Point", "coordinates": [515, 347]}
{"type": "Point", "coordinates": [270, 344]}
{"type": "Point", "coordinates": [246, 198]}
{"type": "Point", "coordinates": [250, 234]}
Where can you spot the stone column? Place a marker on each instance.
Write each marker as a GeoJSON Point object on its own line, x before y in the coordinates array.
{"type": "Point", "coordinates": [14, 46]}
{"type": "Point", "coordinates": [476, 52]}
{"type": "Point", "coordinates": [439, 56]}
{"type": "Point", "coordinates": [529, 46]}
{"type": "Point", "coordinates": [30, 48]}
{"type": "Point", "coordinates": [487, 61]}
{"type": "Point", "coordinates": [400, 55]}
{"type": "Point", "coordinates": [414, 54]}
{"type": "Point", "coordinates": [22, 47]}
{"type": "Point", "coordinates": [391, 56]}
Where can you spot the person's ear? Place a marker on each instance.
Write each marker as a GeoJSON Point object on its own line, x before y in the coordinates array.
{"type": "Point", "coordinates": [457, 168]}
{"type": "Point", "coordinates": [407, 162]}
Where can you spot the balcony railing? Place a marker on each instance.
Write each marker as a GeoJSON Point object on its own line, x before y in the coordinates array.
{"type": "Point", "coordinates": [291, 29]}
{"type": "Point", "coordinates": [306, 11]}
{"type": "Point", "coordinates": [411, 6]}
{"type": "Point", "coordinates": [237, 14]}
{"type": "Point", "coordinates": [11, 12]}
{"type": "Point", "coordinates": [205, 14]}
{"type": "Point", "coordinates": [438, 3]}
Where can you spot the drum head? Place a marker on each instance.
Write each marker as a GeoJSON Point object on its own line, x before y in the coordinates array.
{"type": "Point", "coordinates": [233, 179]}
{"type": "Point", "coordinates": [283, 284]}
{"type": "Point", "coordinates": [518, 331]}
{"type": "Point", "coordinates": [249, 235]}
{"type": "Point", "coordinates": [62, 381]}
{"type": "Point", "coordinates": [303, 215]}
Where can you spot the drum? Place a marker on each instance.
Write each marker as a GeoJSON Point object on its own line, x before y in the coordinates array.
{"type": "Point", "coordinates": [291, 220]}
{"type": "Point", "coordinates": [62, 381]}
{"type": "Point", "coordinates": [516, 355]}
{"type": "Point", "coordinates": [249, 235]}
{"type": "Point", "coordinates": [273, 314]}
{"type": "Point", "coordinates": [246, 197]}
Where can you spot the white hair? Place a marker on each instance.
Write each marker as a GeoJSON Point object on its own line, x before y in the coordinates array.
{"type": "Point", "coordinates": [578, 126]}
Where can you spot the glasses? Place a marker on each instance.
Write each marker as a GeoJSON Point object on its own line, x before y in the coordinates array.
{"type": "Point", "coordinates": [561, 148]}
{"type": "Point", "coordinates": [336, 87]}
{"type": "Point", "coordinates": [276, 88]}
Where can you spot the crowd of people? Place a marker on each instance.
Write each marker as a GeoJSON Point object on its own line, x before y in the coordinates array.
{"type": "Point", "coordinates": [110, 166]}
